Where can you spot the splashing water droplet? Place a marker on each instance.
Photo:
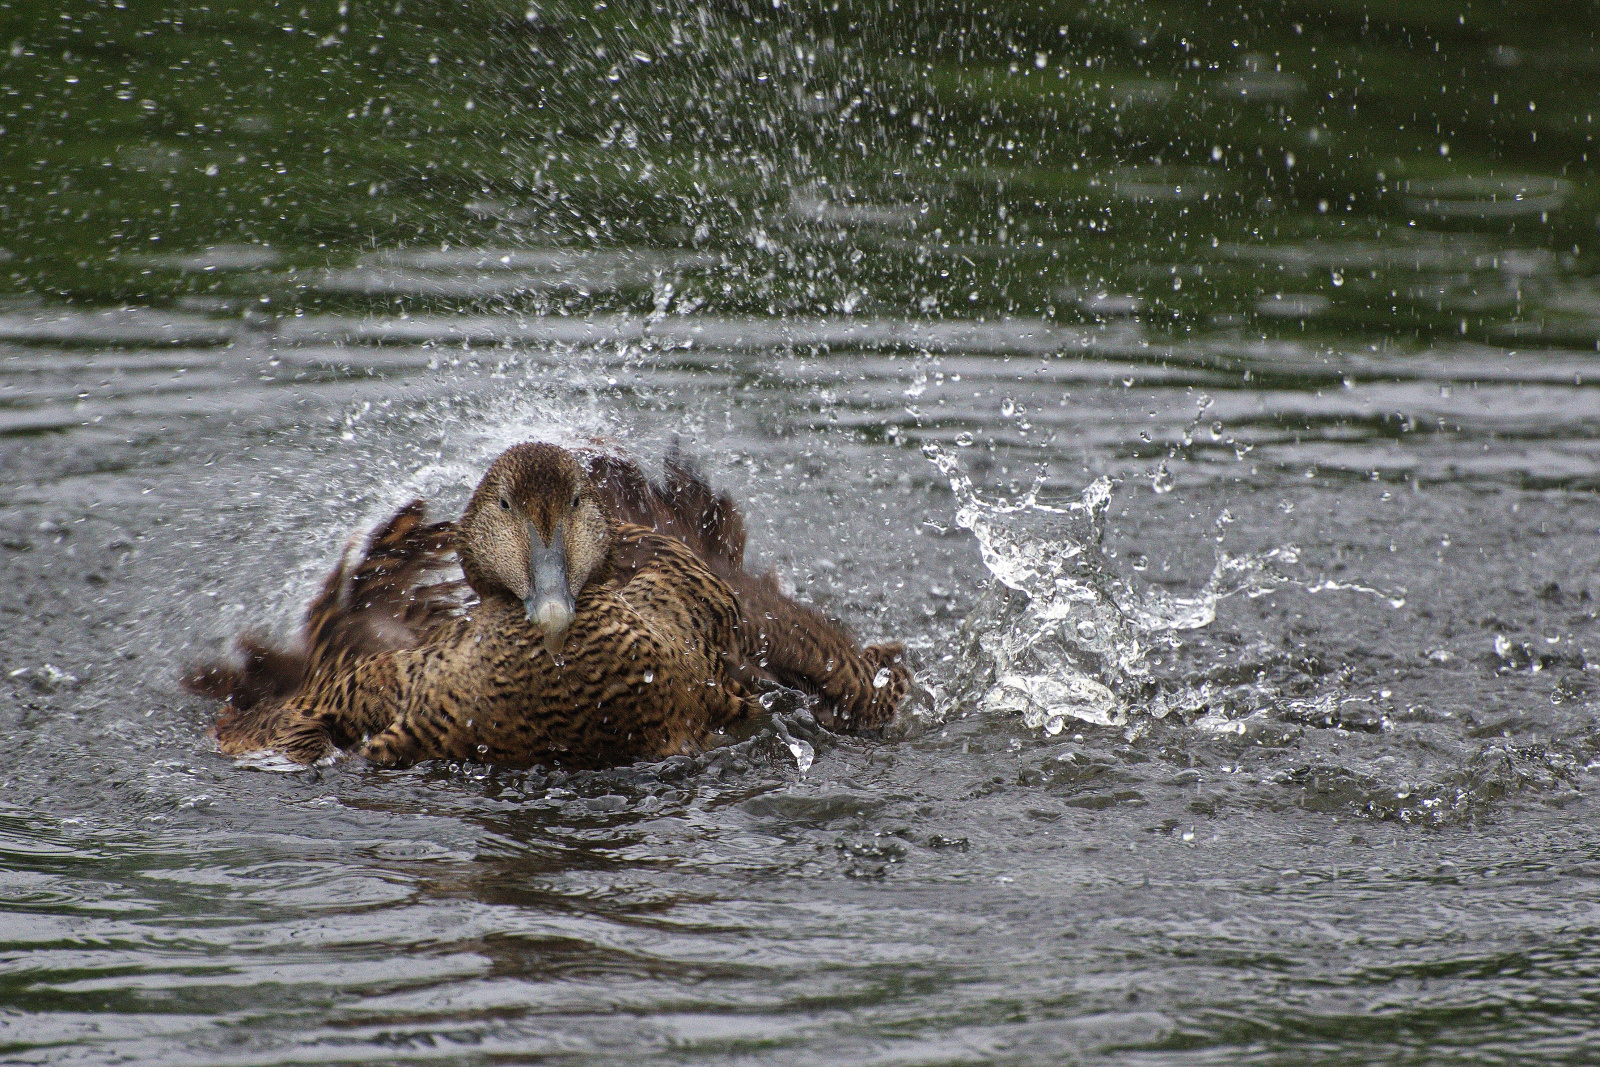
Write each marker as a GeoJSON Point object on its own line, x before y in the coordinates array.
{"type": "Point", "coordinates": [803, 754]}
{"type": "Point", "coordinates": [1060, 635]}
{"type": "Point", "coordinates": [964, 439]}
{"type": "Point", "coordinates": [881, 679]}
{"type": "Point", "coordinates": [649, 676]}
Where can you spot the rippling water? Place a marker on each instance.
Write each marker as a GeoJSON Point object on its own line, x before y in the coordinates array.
{"type": "Point", "coordinates": [1207, 398]}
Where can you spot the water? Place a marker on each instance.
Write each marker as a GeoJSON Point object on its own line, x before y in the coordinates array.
{"type": "Point", "coordinates": [1205, 397]}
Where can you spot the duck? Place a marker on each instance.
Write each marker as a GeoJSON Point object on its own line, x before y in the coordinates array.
{"type": "Point", "coordinates": [599, 619]}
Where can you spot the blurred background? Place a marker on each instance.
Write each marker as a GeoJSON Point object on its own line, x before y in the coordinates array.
{"type": "Point", "coordinates": [1377, 170]}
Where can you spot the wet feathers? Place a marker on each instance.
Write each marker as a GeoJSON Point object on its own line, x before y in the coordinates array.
{"type": "Point", "coordinates": [670, 638]}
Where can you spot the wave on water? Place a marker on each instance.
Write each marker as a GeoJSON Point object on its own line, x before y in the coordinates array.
{"type": "Point", "coordinates": [1060, 636]}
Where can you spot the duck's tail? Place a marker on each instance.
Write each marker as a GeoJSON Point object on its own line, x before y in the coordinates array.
{"type": "Point", "coordinates": [376, 604]}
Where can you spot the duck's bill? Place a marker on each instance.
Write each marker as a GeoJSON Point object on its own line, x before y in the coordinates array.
{"type": "Point", "coordinates": [550, 604]}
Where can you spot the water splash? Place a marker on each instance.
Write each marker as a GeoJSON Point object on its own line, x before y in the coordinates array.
{"type": "Point", "coordinates": [1047, 639]}
{"type": "Point", "coordinates": [1060, 635]}
{"type": "Point", "coordinates": [803, 755]}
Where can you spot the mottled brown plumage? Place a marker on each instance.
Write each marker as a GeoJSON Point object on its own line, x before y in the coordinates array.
{"type": "Point", "coordinates": [795, 645]}
{"type": "Point", "coordinates": [372, 606]}
{"type": "Point", "coordinates": [614, 622]}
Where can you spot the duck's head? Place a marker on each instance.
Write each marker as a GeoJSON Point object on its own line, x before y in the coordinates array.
{"type": "Point", "coordinates": [535, 531]}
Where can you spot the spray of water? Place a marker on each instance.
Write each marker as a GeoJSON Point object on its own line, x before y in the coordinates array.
{"type": "Point", "coordinates": [1059, 635]}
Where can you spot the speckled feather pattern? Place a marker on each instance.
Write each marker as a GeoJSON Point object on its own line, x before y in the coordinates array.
{"type": "Point", "coordinates": [781, 639]}
{"type": "Point", "coordinates": [641, 675]}
{"type": "Point", "coordinates": [668, 641]}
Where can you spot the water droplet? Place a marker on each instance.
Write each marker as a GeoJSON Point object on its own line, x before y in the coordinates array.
{"type": "Point", "coordinates": [964, 439]}
{"type": "Point", "coordinates": [881, 679]}
{"type": "Point", "coordinates": [649, 676]}
{"type": "Point", "coordinates": [1008, 407]}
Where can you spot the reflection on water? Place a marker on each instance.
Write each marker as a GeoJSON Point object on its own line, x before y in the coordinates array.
{"type": "Point", "coordinates": [1251, 582]}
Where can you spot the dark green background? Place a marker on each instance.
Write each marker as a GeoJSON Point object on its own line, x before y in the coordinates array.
{"type": "Point", "coordinates": [1002, 136]}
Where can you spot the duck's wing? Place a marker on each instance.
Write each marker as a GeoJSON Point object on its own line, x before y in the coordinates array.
{"type": "Point", "coordinates": [342, 702]}
{"type": "Point", "coordinates": [375, 604]}
{"type": "Point", "coordinates": [382, 604]}
{"type": "Point", "coordinates": [263, 672]}
{"type": "Point", "coordinates": [804, 649]}
{"type": "Point", "coordinates": [683, 506]}
{"type": "Point", "coordinates": [709, 522]}
{"type": "Point", "coordinates": [780, 638]}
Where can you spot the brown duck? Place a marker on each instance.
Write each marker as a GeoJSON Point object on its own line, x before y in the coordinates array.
{"type": "Point", "coordinates": [614, 621]}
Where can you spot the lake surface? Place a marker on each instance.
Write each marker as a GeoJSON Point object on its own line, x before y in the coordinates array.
{"type": "Point", "coordinates": [1206, 395]}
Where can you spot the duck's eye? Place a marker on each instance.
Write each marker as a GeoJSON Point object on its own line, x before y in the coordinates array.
{"type": "Point", "coordinates": [505, 505]}
{"type": "Point", "coordinates": [577, 498]}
